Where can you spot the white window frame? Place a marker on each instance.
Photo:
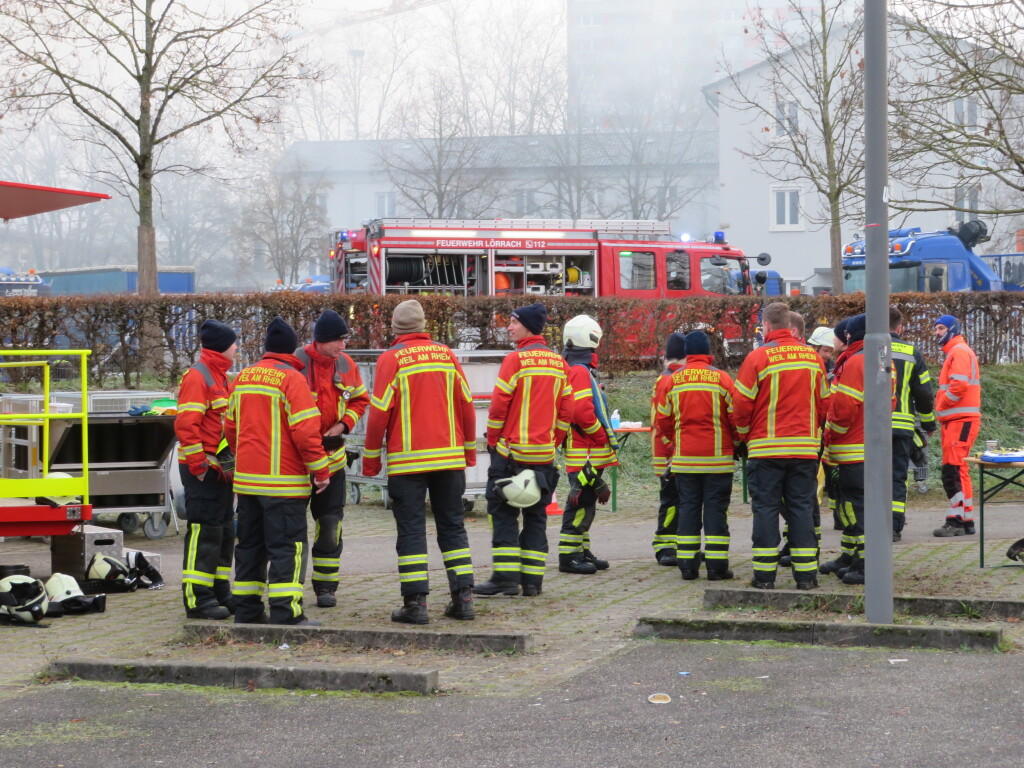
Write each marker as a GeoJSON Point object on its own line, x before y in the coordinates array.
{"type": "Point", "coordinates": [789, 224]}
{"type": "Point", "coordinates": [964, 113]}
{"type": "Point", "coordinates": [787, 118]}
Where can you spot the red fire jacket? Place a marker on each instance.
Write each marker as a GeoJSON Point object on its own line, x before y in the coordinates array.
{"type": "Point", "coordinates": [661, 442]}
{"type": "Point", "coordinates": [338, 391]}
{"type": "Point", "coordinates": [587, 440]}
{"type": "Point", "coordinates": [422, 404]}
{"type": "Point", "coordinates": [202, 401]}
{"type": "Point", "coordinates": [697, 412]}
{"type": "Point", "coordinates": [531, 405]}
{"type": "Point", "coordinates": [272, 426]}
{"type": "Point", "coordinates": [781, 388]}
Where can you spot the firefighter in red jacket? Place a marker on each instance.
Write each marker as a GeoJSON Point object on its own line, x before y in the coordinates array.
{"type": "Point", "coordinates": [209, 502]}
{"type": "Point", "coordinates": [423, 407]}
{"type": "Point", "coordinates": [662, 447]}
{"type": "Point", "coordinates": [590, 446]}
{"type": "Point", "coordinates": [958, 410]}
{"type": "Point", "coordinates": [697, 412]}
{"type": "Point", "coordinates": [273, 429]}
{"type": "Point", "coordinates": [531, 407]}
{"type": "Point", "coordinates": [337, 387]}
{"type": "Point", "coordinates": [780, 392]}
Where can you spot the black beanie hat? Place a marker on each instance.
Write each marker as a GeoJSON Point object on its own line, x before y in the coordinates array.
{"type": "Point", "coordinates": [214, 335]}
{"type": "Point", "coordinates": [840, 329]}
{"type": "Point", "coordinates": [330, 326]}
{"type": "Point", "coordinates": [856, 328]}
{"type": "Point", "coordinates": [675, 347]}
{"type": "Point", "coordinates": [281, 338]}
{"type": "Point", "coordinates": [534, 317]}
{"type": "Point", "coordinates": [698, 343]}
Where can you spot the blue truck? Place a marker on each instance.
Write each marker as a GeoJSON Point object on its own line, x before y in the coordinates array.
{"type": "Point", "coordinates": [81, 281]}
{"type": "Point", "coordinates": [929, 262]}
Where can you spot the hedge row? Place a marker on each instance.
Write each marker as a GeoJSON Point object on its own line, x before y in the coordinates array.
{"type": "Point", "coordinates": [128, 333]}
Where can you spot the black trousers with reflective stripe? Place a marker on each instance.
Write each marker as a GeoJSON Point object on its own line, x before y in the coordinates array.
{"type": "Point", "coordinates": [668, 515]}
{"type": "Point", "coordinates": [576, 522]}
{"type": "Point", "coordinates": [408, 494]}
{"type": "Point", "coordinates": [529, 545]}
{"type": "Point", "coordinates": [851, 497]}
{"type": "Point", "coordinates": [209, 538]}
{"type": "Point", "coordinates": [271, 550]}
{"type": "Point", "coordinates": [771, 481]}
{"type": "Point", "coordinates": [703, 504]}
{"type": "Point", "coordinates": [328, 511]}
{"type": "Point", "coordinates": [902, 445]}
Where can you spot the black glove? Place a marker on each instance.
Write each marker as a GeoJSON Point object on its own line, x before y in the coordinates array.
{"type": "Point", "coordinates": [739, 451]}
{"type": "Point", "coordinates": [603, 491]}
{"type": "Point", "coordinates": [332, 443]}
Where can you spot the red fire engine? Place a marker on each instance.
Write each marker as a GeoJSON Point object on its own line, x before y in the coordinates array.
{"type": "Point", "coordinates": [546, 257]}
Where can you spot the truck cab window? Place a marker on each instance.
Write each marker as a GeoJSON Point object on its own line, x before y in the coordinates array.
{"type": "Point", "coordinates": [677, 265]}
{"type": "Point", "coordinates": [717, 279]}
{"type": "Point", "coordinates": [636, 271]}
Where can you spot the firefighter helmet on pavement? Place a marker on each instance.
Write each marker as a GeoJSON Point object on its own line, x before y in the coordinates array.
{"type": "Point", "coordinates": [520, 491]}
{"type": "Point", "coordinates": [66, 596]}
{"type": "Point", "coordinates": [582, 331]}
{"type": "Point", "coordinates": [23, 599]}
{"type": "Point", "coordinates": [107, 568]}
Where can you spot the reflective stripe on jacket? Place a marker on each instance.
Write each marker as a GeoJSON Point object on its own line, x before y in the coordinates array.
{"type": "Point", "coordinates": [914, 396]}
{"type": "Point", "coordinates": [273, 427]}
{"type": "Point", "coordinates": [423, 406]}
{"type": "Point", "coordinates": [661, 442]}
{"type": "Point", "coordinates": [587, 440]}
{"type": "Point", "coordinates": [338, 391]}
{"type": "Point", "coordinates": [202, 401]}
{"type": "Point", "coordinates": [959, 395]}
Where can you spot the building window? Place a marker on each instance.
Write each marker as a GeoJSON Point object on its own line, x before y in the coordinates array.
{"type": "Point", "coordinates": [385, 205]}
{"type": "Point", "coordinates": [636, 271]}
{"type": "Point", "coordinates": [526, 202]}
{"type": "Point", "coordinates": [785, 212]}
{"type": "Point", "coordinates": [965, 113]}
{"type": "Point", "coordinates": [787, 118]}
{"type": "Point", "coordinates": [965, 201]}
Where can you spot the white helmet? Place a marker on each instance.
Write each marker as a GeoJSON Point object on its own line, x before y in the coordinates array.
{"type": "Point", "coordinates": [57, 501]}
{"type": "Point", "coordinates": [582, 331]}
{"type": "Point", "coordinates": [66, 596]}
{"type": "Point", "coordinates": [23, 599]}
{"type": "Point", "coordinates": [520, 491]}
{"type": "Point", "coordinates": [107, 568]}
{"type": "Point", "coordinates": [822, 337]}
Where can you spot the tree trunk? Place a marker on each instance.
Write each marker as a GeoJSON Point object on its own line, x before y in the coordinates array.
{"type": "Point", "coordinates": [835, 238]}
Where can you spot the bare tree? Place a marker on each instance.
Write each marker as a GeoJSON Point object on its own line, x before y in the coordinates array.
{"type": "Point", "coordinates": [285, 221]}
{"type": "Point", "coordinates": [805, 104]}
{"type": "Point", "coordinates": [959, 108]}
{"type": "Point", "coordinates": [133, 76]}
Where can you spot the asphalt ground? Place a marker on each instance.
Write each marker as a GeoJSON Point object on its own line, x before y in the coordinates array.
{"type": "Point", "coordinates": [581, 695]}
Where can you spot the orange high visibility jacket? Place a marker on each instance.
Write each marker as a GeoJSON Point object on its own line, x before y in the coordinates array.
{"type": "Point", "coordinates": [202, 401]}
{"type": "Point", "coordinates": [422, 403]}
{"type": "Point", "coordinates": [959, 397]}
{"type": "Point", "coordinates": [780, 394]}
{"type": "Point", "coordinates": [531, 405]}
{"type": "Point", "coordinates": [273, 427]}
{"type": "Point", "coordinates": [845, 424]}
{"type": "Point", "coordinates": [338, 391]}
{"type": "Point", "coordinates": [662, 444]}
{"type": "Point", "coordinates": [698, 412]}
{"type": "Point", "coordinates": [587, 439]}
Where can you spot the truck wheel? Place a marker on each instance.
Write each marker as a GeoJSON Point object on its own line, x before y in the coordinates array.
{"type": "Point", "coordinates": [128, 522]}
{"type": "Point", "coordinates": [354, 495]}
{"type": "Point", "coordinates": [155, 526]}
{"type": "Point", "coordinates": [467, 505]}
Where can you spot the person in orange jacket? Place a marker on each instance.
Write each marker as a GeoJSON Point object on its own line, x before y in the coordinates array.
{"type": "Point", "coordinates": [209, 502]}
{"type": "Point", "coordinates": [423, 407]}
{"type": "Point", "coordinates": [273, 428]}
{"type": "Point", "coordinates": [590, 447]}
{"type": "Point", "coordinates": [698, 413]}
{"type": "Point", "coordinates": [958, 410]}
{"type": "Point", "coordinates": [337, 387]}
{"type": "Point", "coordinates": [531, 407]}
{"type": "Point", "coordinates": [662, 447]}
{"type": "Point", "coordinates": [780, 409]}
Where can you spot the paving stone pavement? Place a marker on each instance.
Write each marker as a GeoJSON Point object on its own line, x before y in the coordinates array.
{"type": "Point", "coordinates": [577, 621]}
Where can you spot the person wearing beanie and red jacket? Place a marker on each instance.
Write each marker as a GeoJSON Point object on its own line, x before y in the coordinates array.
{"type": "Point", "coordinates": [697, 412]}
{"type": "Point", "coordinates": [958, 410]}
{"type": "Point", "coordinates": [209, 502]}
{"type": "Point", "coordinates": [662, 447]}
{"type": "Point", "coordinates": [422, 406]}
{"type": "Point", "coordinates": [531, 407]}
{"type": "Point", "coordinates": [341, 398]}
{"type": "Point", "coordinates": [779, 411]}
{"type": "Point", "coordinates": [273, 428]}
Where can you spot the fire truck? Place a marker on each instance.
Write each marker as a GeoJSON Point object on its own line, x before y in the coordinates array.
{"type": "Point", "coordinates": [544, 257]}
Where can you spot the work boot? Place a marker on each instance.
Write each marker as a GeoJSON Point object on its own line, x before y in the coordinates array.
{"type": "Point", "coordinates": [666, 557]}
{"type": "Point", "coordinates": [262, 618]}
{"type": "Point", "coordinates": [833, 566]}
{"type": "Point", "coordinates": [324, 595]}
{"type": "Point", "coordinates": [461, 606]}
{"type": "Point", "coordinates": [897, 536]}
{"type": "Point", "coordinates": [757, 583]}
{"type": "Point", "coordinates": [689, 574]}
{"type": "Point", "coordinates": [1015, 550]}
{"type": "Point", "coordinates": [532, 585]}
{"type": "Point", "coordinates": [212, 612]}
{"type": "Point", "coordinates": [575, 564]}
{"type": "Point", "coordinates": [301, 621]}
{"type": "Point", "coordinates": [414, 611]}
{"type": "Point", "coordinates": [598, 563]}
{"type": "Point", "coordinates": [854, 574]}
{"type": "Point", "coordinates": [969, 527]}
{"type": "Point", "coordinates": [855, 564]}
{"type": "Point", "coordinates": [785, 557]}
{"type": "Point", "coordinates": [720, 575]}
{"type": "Point", "coordinates": [495, 586]}
{"type": "Point", "coordinates": [952, 527]}
{"type": "Point", "coordinates": [807, 583]}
